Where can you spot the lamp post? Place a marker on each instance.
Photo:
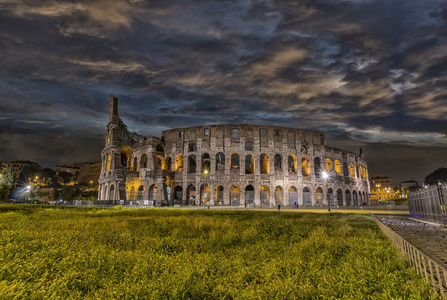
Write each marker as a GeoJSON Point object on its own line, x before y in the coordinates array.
{"type": "Point", "coordinates": [325, 178]}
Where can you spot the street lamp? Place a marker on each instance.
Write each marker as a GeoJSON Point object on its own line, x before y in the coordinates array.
{"type": "Point", "coordinates": [325, 178]}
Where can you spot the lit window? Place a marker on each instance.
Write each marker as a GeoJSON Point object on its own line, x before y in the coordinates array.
{"type": "Point", "coordinates": [234, 133]}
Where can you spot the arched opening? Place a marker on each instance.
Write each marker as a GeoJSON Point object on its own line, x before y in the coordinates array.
{"type": "Point", "coordinates": [108, 162]}
{"type": "Point", "coordinates": [132, 195]}
{"type": "Point", "coordinates": [328, 165]}
{"type": "Point", "coordinates": [178, 195]}
{"type": "Point", "coordinates": [330, 197]}
{"type": "Point", "coordinates": [360, 198]}
{"type": "Point", "coordinates": [337, 167]}
{"type": "Point", "coordinates": [159, 162]}
{"type": "Point", "coordinates": [339, 197]}
{"type": "Point", "coordinates": [220, 162]}
{"type": "Point", "coordinates": [192, 162]}
{"type": "Point", "coordinates": [153, 192]}
{"type": "Point", "coordinates": [264, 163]}
{"type": "Point", "coordinates": [192, 147]}
{"type": "Point", "coordinates": [352, 170]}
{"type": "Point", "coordinates": [218, 197]}
{"type": "Point", "coordinates": [278, 162]}
{"type": "Point", "coordinates": [345, 170]}
{"type": "Point", "coordinates": [112, 193]}
{"type": "Point", "coordinates": [279, 196]}
{"type": "Point", "coordinates": [235, 161]}
{"type": "Point", "coordinates": [127, 193]}
{"type": "Point", "coordinates": [249, 164]}
{"type": "Point", "coordinates": [317, 167]}
{"type": "Point", "coordinates": [293, 196]}
{"type": "Point", "coordinates": [178, 163]}
{"type": "Point", "coordinates": [354, 198]}
{"type": "Point", "coordinates": [204, 194]}
{"type": "Point", "coordinates": [305, 166]}
{"type": "Point", "coordinates": [191, 198]}
{"type": "Point", "coordinates": [235, 195]}
{"type": "Point", "coordinates": [125, 154]}
{"type": "Point", "coordinates": [135, 165]}
{"type": "Point", "coordinates": [143, 161]}
{"type": "Point", "coordinates": [206, 163]}
{"type": "Point", "coordinates": [348, 197]}
{"type": "Point", "coordinates": [307, 198]}
{"type": "Point", "coordinates": [319, 196]}
{"type": "Point", "coordinates": [168, 162]}
{"type": "Point", "coordinates": [265, 195]}
{"type": "Point", "coordinates": [292, 163]}
{"type": "Point", "coordinates": [249, 195]}
{"type": "Point", "coordinates": [140, 195]}
{"type": "Point", "coordinates": [159, 148]}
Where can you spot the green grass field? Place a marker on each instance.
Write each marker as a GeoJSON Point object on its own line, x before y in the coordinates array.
{"type": "Point", "coordinates": [84, 253]}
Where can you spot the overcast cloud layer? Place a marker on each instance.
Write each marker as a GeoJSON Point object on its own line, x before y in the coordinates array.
{"type": "Point", "coordinates": [368, 73]}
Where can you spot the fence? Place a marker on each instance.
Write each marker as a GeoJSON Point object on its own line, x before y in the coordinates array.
{"type": "Point", "coordinates": [429, 203]}
{"type": "Point", "coordinates": [425, 265]}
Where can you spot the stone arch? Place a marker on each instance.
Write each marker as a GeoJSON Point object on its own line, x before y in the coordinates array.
{"type": "Point", "coordinates": [192, 147]}
{"type": "Point", "coordinates": [168, 162]}
{"type": "Point", "coordinates": [192, 164]}
{"type": "Point", "coordinates": [339, 197]}
{"type": "Point", "coordinates": [235, 192]}
{"type": "Point", "coordinates": [249, 194]}
{"type": "Point", "coordinates": [191, 195]}
{"type": "Point", "coordinates": [292, 163]}
{"type": "Point", "coordinates": [330, 196]}
{"type": "Point", "coordinates": [206, 163]}
{"type": "Point", "coordinates": [132, 195]}
{"type": "Point", "coordinates": [219, 195]}
{"type": "Point", "coordinates": [178, 163]}
{"type": "Point", "coordinates": [345, 170]}
{"type": "Point", "coordinates": [265, 165]}
{"type": "Point", "coordinates": [159, 162]}
{"type": "Point", "coordinates": [220, 162]}
{"type": "Point", "coordinates": [305, 166]}
{"type": "Point", "coordinates": [125, 155]}
{"type": "Point", "coordinates": [178, 195]}
{"type": "Point", "coordinates": [235, 161]}
{"type": "Point", "coordinates": [265, 195]}
{"type": "Point", "coordinates": [337, 167]}
{"type": "Point", "coordinates": [278, 162]}
{"type": "Point", "coordinates": [143, 161]}
{"type": "Point", "coordinates": [111, 192]}
{"type": "Point", "coordinates": [348, 197]}
{"type": "Point", "coordinates": [249, 164]}
{"type": "Point", "coordinates": [204, 194]}
{"type": "Point", "coordinates": [135, 164]}
{"type": "Point", "coordinates": [140, 194]}
{"type": "Point", "coordinates": [352, 170]}
{"type": "Point", "coordinates": [109, 160]}
{"type": "Point", "coordinates": [153, 192]}
{"type": "Point", "coordinates": [360, 198]}
{"type": "Point", "coordinates": [354, 198]}
{"type": "Point", "coordinates": [159, 148]}
{"type": "Point", "coordinates": [307, 198]}
{"type": "Point", "coordinates": [279, 196]}
{"type": "Point", "coordinates": [293, 196]}
{"type": "Point", "coordinates": [319, 196]}
{"type": "Point", "coordinates": [317, 167]}
{"type": "Point", "coordinates": [328, 165]}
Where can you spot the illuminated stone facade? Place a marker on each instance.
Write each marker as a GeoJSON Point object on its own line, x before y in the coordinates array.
{"type": "Point", "coordinates": [238, 165]}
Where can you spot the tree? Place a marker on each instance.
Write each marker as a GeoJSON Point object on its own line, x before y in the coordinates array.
{"type": "Point", "coordinates": [48, 175]}
{"type": "Point", "coordinates": [437, 175]}
{"type": "Point", "coordinates": [7, 184]}
{"type": "Point", "coordinates": [64, 176]}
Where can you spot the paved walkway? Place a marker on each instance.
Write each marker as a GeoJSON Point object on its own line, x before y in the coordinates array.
{"type": "Point", "coordinates": [431, 239]}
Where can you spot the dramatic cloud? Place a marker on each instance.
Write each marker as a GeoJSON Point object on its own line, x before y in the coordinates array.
{"type": "Point", "coordinates": [368, 73]}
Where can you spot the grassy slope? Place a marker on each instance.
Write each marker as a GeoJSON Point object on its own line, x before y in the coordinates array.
{"type": "Point", "coordinates": [198, 254]}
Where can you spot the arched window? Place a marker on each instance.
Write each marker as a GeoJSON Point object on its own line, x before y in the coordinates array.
{"type": "Point", "coordinates": [337, 167]}
{"type": "Point", "coordinates": [168, 163]}
{"type": "Point", "coordinates": [279, 195]}
{"type": "Point", "coordinates": [234, 161]}
{"type": "Point", "coordinates": [220, 161]}
{"type": "Point", "coordinates": [249, 194]}
{"type": "Point", "coordinates": [319, 196]}
{"type": "Point", "coordinates": [278, 162]}
{"type": "Point", "coordinates": [112, 193]}
{"type": "Point", "coordinates": [143, 161]}
{"type": "Point", "coordinates": [192, 162]}
{"type": "Point", "coordinates": [293, 196]}
{"type": "Point", "coordinates": [108, 162]}
{"type": "Point", "coordinates": [206, 164]}
{"type": "Point", "coordinates": [159, 162]}
{"type": "Point", "coordinates": [305, 166]}
{"type": "Point", "coordinates": [135, 166]}
{"type": "Point", "coordinates": [292, 163]}
{"type": "Point", "coordinates": [249, 164]}
{"type": "Point", "coordinates": [348, 197]}
{"type": "Point", "coordinates": [153, 192]}
{"type": "Point", "coordinates": [328, 165]}
{"type": "Point", "coordinates": [204, 194]}
{"type": "Point", "coordinates": [317, 167]}
{"type": "Point", "coordinates": [140, 195]}
{"type": "Point", "coordinates": [132, 195]}
{"type": "Point", "coordinates": [218, 198]}
{"type": "Point", "coordinates": [159, 148]}
{"type": "Point", "coordinates": [192, 147]}
{"type": "Point", "coordinates": [179, 163]}
{"type": "Point", "coordinates": [235, 192]}
{"type": "Point", "coordinates": [345, 169]}
{"type": "Point", "coordinates": [339, 197]}
{"type": "Point", "coordinates": [265, 195]}
{"type": "Point", "coordinates": [264, 163]}
{"type": "Point", "coordinates": [307, 198]}
{"type": "Point", "coordinates": [352, 170]}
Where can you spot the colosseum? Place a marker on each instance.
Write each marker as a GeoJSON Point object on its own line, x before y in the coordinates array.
{"type": "Point", "coordinates": [237, 165]}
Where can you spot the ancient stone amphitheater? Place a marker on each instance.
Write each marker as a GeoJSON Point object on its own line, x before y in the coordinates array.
{"type": "Point", "coordinates": [237, 165]}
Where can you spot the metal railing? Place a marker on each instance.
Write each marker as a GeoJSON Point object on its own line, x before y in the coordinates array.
{"type": "Point", "coordinates": [429, 203]}
{"type": "Point", "coordinates": [425, 265]}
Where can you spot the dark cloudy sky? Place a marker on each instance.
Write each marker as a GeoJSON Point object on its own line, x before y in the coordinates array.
{"type": "Point", "coordinates": [368, 73]}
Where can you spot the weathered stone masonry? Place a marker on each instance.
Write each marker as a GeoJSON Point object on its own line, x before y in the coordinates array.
{"type": "Point", "coordinates": [229, 165]}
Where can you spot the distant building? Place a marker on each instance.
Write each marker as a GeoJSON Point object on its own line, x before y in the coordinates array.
{"type": "Point", "coordinates": [89, 173]}
{"type": "Point", "coordinates": [405, 187]}
{"type": "Point", "coordinates": [18, 165]}
{"type": "Point", "coordinates": [72, 170]}
{"type": "Point", "coordinates": [381, 187]}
